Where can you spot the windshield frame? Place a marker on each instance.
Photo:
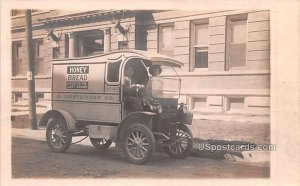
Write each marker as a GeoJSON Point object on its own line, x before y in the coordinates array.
{"type": "Point", "coordinates": [167, 77]}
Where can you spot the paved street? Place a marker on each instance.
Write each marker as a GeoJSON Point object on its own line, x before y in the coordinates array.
{"type": "Point", "coordinates": [32, 159]}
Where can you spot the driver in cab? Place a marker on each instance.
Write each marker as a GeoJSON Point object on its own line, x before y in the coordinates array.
{"type": "Point", "coordinates": [130, 90]}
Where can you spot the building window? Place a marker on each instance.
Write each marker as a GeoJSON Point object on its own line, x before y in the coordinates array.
{"type": "Point", "coordinates": [55, 52]}
{"type": "Point", "coordinates": [90, 43]}
{"type": "Point", "coordinates": [17, 12]}
{"type": "Point", "coordinates": [235, 103]}
{"type": "Point", "coordinates": [19, 67]}
{"type": "Point", "coordinates": [39, 97]}
{"type": "Point", "coordinates": [122, 45]}
{"type": "Point", "coordinates": [199, 45]}
{"type": "Point", "coordinates": [236, 41]}
{"type": "Point", "coordinates": [17, 96]}
{"type": "Point", "coordinates": [39, 60]}
{"type": "Point", "coordinates": [166, 39]}
{"type": "Point", "coordinates": [22, 12]}
{"type": "Point", "coordinates": [200, 103]}
{"type": "Point", "coordinates": [38, 49]}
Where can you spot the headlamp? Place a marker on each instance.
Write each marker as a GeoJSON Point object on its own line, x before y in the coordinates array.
{"type": "Point", "coordinates": [159, 109]}
{"type": "Point", "coordinates": [183, 108]}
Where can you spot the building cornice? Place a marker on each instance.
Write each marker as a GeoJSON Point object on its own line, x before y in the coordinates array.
{"type": "Point", "coordinates": [81, 15]}
{"type": "Point", "coordinates": [70, 17]}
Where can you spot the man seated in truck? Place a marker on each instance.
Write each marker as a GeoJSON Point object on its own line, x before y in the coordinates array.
{"type": "Point", "coordinates": [130, 91]}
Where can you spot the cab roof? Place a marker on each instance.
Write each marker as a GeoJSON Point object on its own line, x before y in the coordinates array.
{"type": "Point", "coordinates": [155, 58]}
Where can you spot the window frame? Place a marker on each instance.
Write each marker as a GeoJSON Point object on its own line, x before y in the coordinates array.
{"type": "Point", "coordinates": [123, 45]}
{"type": "Point", "coordinates": [229, 20]}
{"type": "Point", "coordinates": [160, 36]}
{"type": "Point", "coordinates": [16, 44]}
{"type": "Point", "coordinates": [38, 60]}
{"type": "Point", "coordinates": [53, 49]}
{"type": "Point", "coordinates": [194, 100]}
{"type": "Point", "coordinates": [228, 103]}
{"type": "Point", "coordinates": [118, 75]}
{"type": "Point", "coordinates": [81, 38]}
{"type": "Point", "coordinates": [17, 60]}
{"type": "Point", "coordinates": [21, 13]}
{"type": "Point", "coordinates": [194, 46]}
{"type": "Point", "coordinates": [37, 42]}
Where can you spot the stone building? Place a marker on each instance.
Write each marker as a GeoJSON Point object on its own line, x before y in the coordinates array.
{"type": "Point", "coordinates": [226, 53]}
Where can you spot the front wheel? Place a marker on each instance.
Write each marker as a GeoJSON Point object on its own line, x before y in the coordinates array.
{"type": "Point", "coordinates": [58, 137]}
{"type": "Point", "coordinates": [101, 144]}
{"type": "Point", "coordinates": [183, 144]}
{"type": "Point", "coordinates": [139, 144]}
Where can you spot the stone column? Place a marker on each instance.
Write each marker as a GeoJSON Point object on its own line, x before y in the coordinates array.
{"type": "Point", "coordinates": [71, 45]}
{"type": "Point", "coordinates": [107, 40]}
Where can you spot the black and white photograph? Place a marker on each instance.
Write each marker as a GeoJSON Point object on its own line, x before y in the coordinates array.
{"type": "Point", "coordinates": [156, 93]}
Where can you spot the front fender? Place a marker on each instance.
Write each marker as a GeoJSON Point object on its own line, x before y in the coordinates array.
{"type": "Point", "coordinates": [133, 118]}
{"type": "Point", "coordinates": [69, 119]}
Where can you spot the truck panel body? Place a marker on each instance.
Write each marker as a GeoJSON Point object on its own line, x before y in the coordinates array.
{"type": "Point", "coordinates": [80, 89]}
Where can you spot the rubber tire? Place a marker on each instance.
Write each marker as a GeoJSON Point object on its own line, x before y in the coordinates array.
{"type": "Point", "coordinates": [151, 141]}
{"type": "Point", "coordinates": [189, 148]}
{"type": "Point", "coordinates": [68, 135]}
{"type": "Point", "coordinates": [94, 142]}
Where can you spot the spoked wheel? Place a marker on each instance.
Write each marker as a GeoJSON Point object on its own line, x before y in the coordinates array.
{"type": "Point", "coordinates": [58, 137]}
{"type": "Point", "coordinates": [183, 144]}
{"type": "Point", "coordinates": [139, 144]}
{"type": "Point", "coordinates": [101, 144]}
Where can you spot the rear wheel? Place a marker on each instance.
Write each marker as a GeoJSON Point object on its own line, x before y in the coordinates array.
{"type": "Point", "coordinates": [58, 137]}
{"type": "Point", "coordinates": [100, 143]}
{"type": "Point", "coordinates": [139, 144]}
{"type": "Point", "coordinates": [183, 144]}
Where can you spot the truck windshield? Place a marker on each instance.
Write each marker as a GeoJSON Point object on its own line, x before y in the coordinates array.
{"type": "Point", "coordinates": [166, 84]}
{"type": "Point", "coordinates": [163, 87]}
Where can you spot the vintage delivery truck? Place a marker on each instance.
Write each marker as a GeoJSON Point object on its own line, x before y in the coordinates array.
{"type": "Point", "coordinates": [88, 99]}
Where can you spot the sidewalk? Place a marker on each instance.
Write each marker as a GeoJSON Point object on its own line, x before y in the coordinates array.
{"type": "Point", "coordinates": [21, 108]}
{"type": "Point", "coordinates": [41, 135]}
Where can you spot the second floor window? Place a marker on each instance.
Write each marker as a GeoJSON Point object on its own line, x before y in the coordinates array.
{"type": "Point", "coordinates": [166, 39]}
{"type": "Point", "coordinates": [19, 67]}
{"type": "Point", "coordinates": [199, 46]}
{"type": "Point", "coordinates": [236, 41]}
{"type": "Point", "coordinates": [38, 53]}
{"type": "Point", "coordinates": [55, 52]}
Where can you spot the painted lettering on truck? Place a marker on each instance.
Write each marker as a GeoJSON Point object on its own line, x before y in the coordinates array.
{"type": "Point", "coordinates": [77, 77]}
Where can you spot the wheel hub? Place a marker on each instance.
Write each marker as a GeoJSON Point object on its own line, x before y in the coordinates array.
{"type": "Point", "coordinates": [58, 133]}
{"type": "Point", "coordinates": [138, 143]}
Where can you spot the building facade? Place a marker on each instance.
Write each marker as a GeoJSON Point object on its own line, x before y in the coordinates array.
{"type": "Point", "coordinates": [226, 53]}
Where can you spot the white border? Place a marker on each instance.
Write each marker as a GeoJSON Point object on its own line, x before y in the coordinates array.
{"type": "Point", "coordinates": [285, 102]}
